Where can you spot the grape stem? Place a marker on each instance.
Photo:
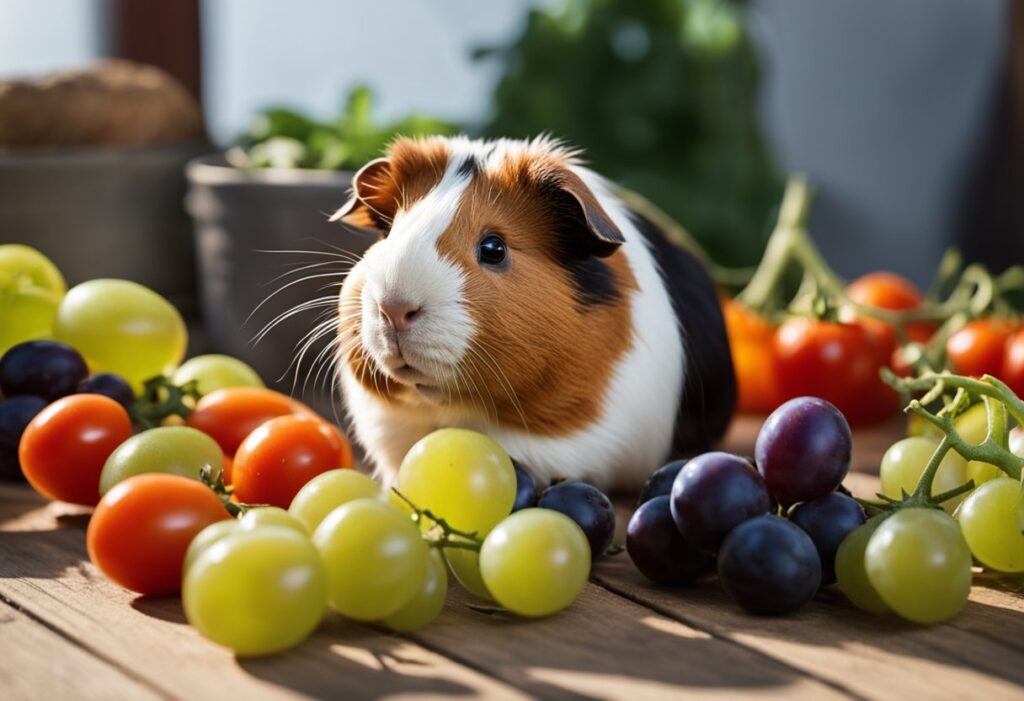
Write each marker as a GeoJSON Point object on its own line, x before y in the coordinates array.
{"type": "Point", "coordinates": [224, 491]}
{"type": "Point", "coordinates": [442, 534]}
{"type": "Point", "coordinates": [161, 399]}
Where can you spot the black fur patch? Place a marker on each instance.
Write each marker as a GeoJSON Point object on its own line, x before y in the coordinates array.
{"type": "Point", "coordinates": [593, 281]}
{"type": "Point", "coordinates": [709, 386]}
{"type": "Point", "coordinates": [469, 167]}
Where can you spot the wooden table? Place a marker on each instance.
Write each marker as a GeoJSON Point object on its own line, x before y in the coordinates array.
{"type": "Point", "coordinates": [66, 632]}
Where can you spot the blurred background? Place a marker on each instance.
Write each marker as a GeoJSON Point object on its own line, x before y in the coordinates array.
{"type": "Point", "coordinates": [907, 117]}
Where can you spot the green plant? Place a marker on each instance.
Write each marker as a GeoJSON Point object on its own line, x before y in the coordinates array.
{"type": "Point", "coordinates": [282, 138]}
{"type": "Point", "coordinates": [661, 94]}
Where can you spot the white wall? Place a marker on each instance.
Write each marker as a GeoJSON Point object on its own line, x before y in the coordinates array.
{"type": "Point", "coordinates": [44, 35]}
{"type": "Point", "coordinates": [308, 53]}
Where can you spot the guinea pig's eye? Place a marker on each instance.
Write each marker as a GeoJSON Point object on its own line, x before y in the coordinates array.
{"type": "Point", "coordinates": [492, 251]}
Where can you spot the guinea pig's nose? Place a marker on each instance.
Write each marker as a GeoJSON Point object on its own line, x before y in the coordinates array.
{"type": "Point", "coordinates": [399, 313]}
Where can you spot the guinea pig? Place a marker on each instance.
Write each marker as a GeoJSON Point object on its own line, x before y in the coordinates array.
{"type": "Point", "coordinates": [511, 292]}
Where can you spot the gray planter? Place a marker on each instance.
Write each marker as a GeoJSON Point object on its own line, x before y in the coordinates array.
{"type": "Point", "coordinates": [105, 212]}
{"type": "Point", "coordinates": [239, 216]}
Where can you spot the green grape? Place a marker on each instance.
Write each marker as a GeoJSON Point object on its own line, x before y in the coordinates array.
{"type": "Point", "coordinates": [465, 566]}
{"type": "Point", "coordinates": [918, 562]}
{"type": "Point", "coordinates": [850, 572]}
{"type": "Point", "coordinates": [972, 425]}
{"type": "Point", "coordinates": [536, 562]}
{"type": "Point", "coordinates": [178, 450]}
{"type": "Point", "coordinates": [376, 559]}
{"type": "Point", "coordinates": [122, 327]}
{"type": "Point", "coordinates": [327, 491]}
{"type": "Point", "coordinates": [982, 472]}
{"type": "Point", "coordinates": [213, 533]}
{"type": "Point", "coordinates": [992, 520]}
{"type": "Point", "coordinates": [258, 591]}
{"type": "Point", "coordinates": [461, 476]}
{"type": "Point", "coordinates": [17, 260]}
{"type": "Point", "coordinates": [213, 372]}
{"type": "Point", "coordinates": [263, 516]}
{"type": "Point", "coordinates": [426, 604]}
{"type": "Point", "coordinates": [31, 288]}
{"type": "Point", "coordinates": [904, 463]}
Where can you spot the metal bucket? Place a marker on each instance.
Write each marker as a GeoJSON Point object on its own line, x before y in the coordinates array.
{"type": "Point", "coordinates": [105, 212]}
{"type": "Point", "coordinates": [243, 222]}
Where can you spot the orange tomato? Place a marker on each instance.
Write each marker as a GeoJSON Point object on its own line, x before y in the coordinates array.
{"type": "Point", "coordinates": [63, 449]}
{"type": "Point", "coordinates": [837, 362]}
{"type": "Point", "coordinates": [1013, 362]}
{"type": "Point", "coordinates": [750, 338]}
{"type": "Point", "coordinates": [977, 349]}
{"type": "Point", "coordinates": [893, 292]}
{"type": "Point", "coordinates": [277, 459]}
{"type": "Point", "coordinates": [232, 413]}
{"type": "Point", "coordinates": [142, 527]}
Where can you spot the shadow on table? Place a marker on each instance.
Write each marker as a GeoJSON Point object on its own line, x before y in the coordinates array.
{"type": "Point", "coordinates": [41, 554]}
{"type": "Point", "coordinates": [982, 637]}
{"type": "Point", "coordinates": [603, 646]}
{"type": "Point", "coordinates": [348, 660]}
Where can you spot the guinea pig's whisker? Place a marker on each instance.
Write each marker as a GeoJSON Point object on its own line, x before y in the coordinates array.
{"type": "Point", "coordinates": [309, 266]}
{"type": "Point", "coordinates": [322, 330]}
{"type": "Point", "coordinates": [488, 359]}
{"type": "Point", "coordinates": [482, 397]}
{"type": "Point", "coordinates": [320, 302]}
{"type": "Point", "coordinates": [284, 287]}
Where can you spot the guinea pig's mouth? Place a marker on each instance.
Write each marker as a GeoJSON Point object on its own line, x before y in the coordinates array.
{"type": "Point", "coordinates": [402, 371]}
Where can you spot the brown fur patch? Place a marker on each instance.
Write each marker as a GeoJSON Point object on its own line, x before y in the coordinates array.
{"type": "Point", "coordinates": [386, 186]}
{"type": "Point", "coordinates": [543, 359]}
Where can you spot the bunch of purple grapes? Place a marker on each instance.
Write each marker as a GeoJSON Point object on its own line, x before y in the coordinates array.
{"type": "Point", "coordinates": [35, 373]}
{"type": "Point", "coordinates": [771, 531]}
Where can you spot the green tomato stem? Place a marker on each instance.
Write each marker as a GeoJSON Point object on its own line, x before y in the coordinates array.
{"type": "Point", "coordinates": [449, 537]}
{"type": "Point", "coordinates": [923, 490]}
{"type": "Point", "coordinates": [988, 451]}
{"type": "Point", "coordinates": [955, 492]}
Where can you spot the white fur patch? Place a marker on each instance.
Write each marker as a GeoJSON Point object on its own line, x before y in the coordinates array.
{"type": "Point", "coordinates": [407, 266]}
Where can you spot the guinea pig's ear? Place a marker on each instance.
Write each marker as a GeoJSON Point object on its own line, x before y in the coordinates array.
{"type": "Point", "coordinates": [372, 204]}
{"type": "Point", "coordinates": [579, 203]}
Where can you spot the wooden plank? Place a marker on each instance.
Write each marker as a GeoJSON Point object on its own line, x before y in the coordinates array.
{"type": "Point", "coordinates": [71, 672]}
{"type": "Point", "coordinates": [977, 655]}
{"type": "Point", "coordinates": [46, 573]}
{"type": "Point", "coordinates": [605, 647]}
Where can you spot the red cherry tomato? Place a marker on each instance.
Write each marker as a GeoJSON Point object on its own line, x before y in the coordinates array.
{"type": "Point", "coordinates": [232, 413]}
{"type": "Point", "coordinates": [750, 338]}
{"type": "Point", "coordinates": [142, 527]}
{"type": "Point", "coordinates": [63, 449]}
{"type": "Point", "coordinates": [279, 457]}
{"type": "Point", "coordinates": [837, 362]}
{"type": "Point", "coordinates": [1013, 362]}
{"type": "Point", "coordinates": [893, 292]}
{"type": "Point", "coordinates": [977, 349]}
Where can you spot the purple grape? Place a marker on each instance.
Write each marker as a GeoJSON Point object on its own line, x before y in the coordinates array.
{"type": "Point", "coordinates": [827, 520]}
{"type": "Point", "coordinates": [658, 551]}
{"type": "Point", "coordinates": [714, 493]}
{"type": "Point", "coordinates": [803, 450]}
{"type": "Point", "coordinates": [15, 415]}
{"type": "Point", "coordinates": [587, 506]}
{"type": "Point", "coordinates": [526, 489]}
{"type": "Point", "coordinates": [109, 385]}
{"type": "Point", "coordinates": [769, 566]}
{"type": "Point", "coordinates": [660, 483]}
{"type": "Point", "coordinates": [44, 369]}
